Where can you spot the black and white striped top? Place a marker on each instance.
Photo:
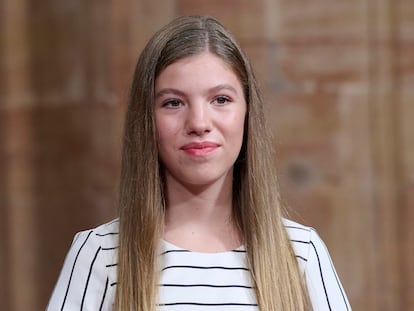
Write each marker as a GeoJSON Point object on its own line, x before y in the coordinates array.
{"type": "Point", "coordinates": [189, 280]}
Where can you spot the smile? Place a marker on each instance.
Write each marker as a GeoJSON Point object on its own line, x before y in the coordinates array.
{"type": "Point", "coordinates": [200, 148]}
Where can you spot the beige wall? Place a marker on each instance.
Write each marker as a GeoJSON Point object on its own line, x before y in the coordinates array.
{"type": "Point", "coordinates": [338, 81]}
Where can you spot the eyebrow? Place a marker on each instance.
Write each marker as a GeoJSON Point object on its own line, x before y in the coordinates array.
{"type": "Point", "coordinates": [169, 91]}
{"type": "Point", "coordinates": [217, 88]}
{"type": "Point", "coordinates": [223, 87]}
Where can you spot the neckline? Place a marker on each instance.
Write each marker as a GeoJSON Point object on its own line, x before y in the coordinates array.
{"type": "Point", "coordinates": [167, 246]}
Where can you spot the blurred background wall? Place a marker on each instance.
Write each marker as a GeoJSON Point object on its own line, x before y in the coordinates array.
{"type": "Point", "coordinates": [338, 80]}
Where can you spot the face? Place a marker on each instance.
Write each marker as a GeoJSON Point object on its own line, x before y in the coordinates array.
{"type": "Point", "coordinates": [199, 112]}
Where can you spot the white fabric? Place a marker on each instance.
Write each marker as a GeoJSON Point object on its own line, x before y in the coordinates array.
{"type": "Point", "coordinates": [189, 280]}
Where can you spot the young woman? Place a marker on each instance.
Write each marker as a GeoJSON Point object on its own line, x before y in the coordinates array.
{"type": "Point", "coordinates": [200, 225]}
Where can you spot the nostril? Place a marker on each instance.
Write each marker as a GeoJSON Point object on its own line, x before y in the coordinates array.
{"type": "Point", "coordinates": [198, 126]}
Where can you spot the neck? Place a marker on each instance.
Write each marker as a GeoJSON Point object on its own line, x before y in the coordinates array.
{"type": "Point", "coordinates": [199, 218]}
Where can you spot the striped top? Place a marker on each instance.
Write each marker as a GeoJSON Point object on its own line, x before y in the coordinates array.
{"type": "Point", "coordinates": [189, 280]}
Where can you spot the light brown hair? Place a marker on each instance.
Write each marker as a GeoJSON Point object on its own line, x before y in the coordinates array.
{"type": "Point", "coordinates": [256, 204]}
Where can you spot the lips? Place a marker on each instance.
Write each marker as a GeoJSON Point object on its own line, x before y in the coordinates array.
{"type": "Point", "coordinates": [200, 148]}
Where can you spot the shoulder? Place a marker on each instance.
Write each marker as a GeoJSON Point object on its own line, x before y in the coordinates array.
{"type": "Point", "coordinates": [109, 228]}
{"type": "Point", "coordinates": [297, 231]}
{"type": "Point", "coordinates": [97, 246]}
{"type": "Point", "coordinates": [89, 242]}
{"type": "Point", "coordinates": [108, 231]}
{"type": "Point", "coordinates": [88, 274]}
{"type": "Point", "coordinates": [301, 238]}
{"type": "Point", "coordinates": [306, 243]}
{"type": "Point", "coordinates": [92, 241]}
{"type": "Point", "coordinates": [315, 264]}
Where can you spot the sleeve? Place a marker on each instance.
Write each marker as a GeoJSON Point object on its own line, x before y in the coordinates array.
{"type": "Point", "coordinates": [325, 289]}
{"type": "Point", "coordinates": [83, 280]}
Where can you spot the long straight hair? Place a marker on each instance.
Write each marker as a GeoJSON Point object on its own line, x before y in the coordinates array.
{"type": "Point", "coordinates": [256, 205]}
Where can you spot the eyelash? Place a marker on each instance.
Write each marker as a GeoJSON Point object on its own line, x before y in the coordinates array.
{"type": "Point", "coordinates": [172, 103]}
{"type": "Point", "coordinates": [175, 103]}
{"type": "Point", "coordinates": [222, 97]}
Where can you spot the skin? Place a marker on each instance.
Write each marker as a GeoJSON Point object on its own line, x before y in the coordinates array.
{"type": "Point", "coordinates": [200, 112]}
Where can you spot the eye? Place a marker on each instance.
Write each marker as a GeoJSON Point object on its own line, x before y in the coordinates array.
{"type": "Point", "coordinates": [172, 103]}
{"type": "Point", "coordinates": [222, 100]}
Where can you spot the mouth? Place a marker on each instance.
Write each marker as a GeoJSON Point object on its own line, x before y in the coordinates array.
{"type": "Point", "coordinates": [200, 148]}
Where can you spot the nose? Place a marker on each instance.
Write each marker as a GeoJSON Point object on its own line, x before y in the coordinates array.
{"type": "Point", "coordinates": [198, 119]}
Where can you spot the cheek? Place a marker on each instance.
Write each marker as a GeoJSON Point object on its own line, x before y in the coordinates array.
{"type": "Point", "coordinates": [161, 132]}
{"type": "Point", "coordinates": [238, 125]}
{"type": "Point", "coordinates": [162, 140]}
{"type": "Point", "coordinates": [241, 128]}
{"type": "Point", "coordinates": [166, 131]}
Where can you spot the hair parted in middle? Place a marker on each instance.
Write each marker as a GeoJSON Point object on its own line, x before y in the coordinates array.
{"type": "Point", "coordinates": [257, 211]}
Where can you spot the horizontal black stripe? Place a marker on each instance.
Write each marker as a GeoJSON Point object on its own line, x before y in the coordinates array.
{"type": "Point", "coordinates": [110, 248]}
{"type": "Point", "coordinates": [206, 285]}
{"type": "Point", "coordinates": [188, 251]}
{"type": "Point", "coordinates": [238, 250]}
{"type": "Point", "coordinates": [206, 268]}
{"type": "Point", "coordinates": [106, 234]}
{"type": "Point", "coordinates": [298, 241]}
{"type": "Point", "coordinates": [111, 265]}
{"type": "Point", "coordinates": [300, 257]}
{"type": "Point", "coordinates": [175, 251]}
{"type": "Point", "coordinates": [208, 304]}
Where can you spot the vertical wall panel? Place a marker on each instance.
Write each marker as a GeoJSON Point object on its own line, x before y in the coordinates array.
{"type": "Point", "coordinates": [17, 175]}
{"type": "Point", "coordinates": [405, 82]}
{"type": "Point", "coordinates": [318, 108]}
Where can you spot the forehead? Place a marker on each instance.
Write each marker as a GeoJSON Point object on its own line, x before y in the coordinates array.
{"type": "Point", "coordinates": [202, 69]}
